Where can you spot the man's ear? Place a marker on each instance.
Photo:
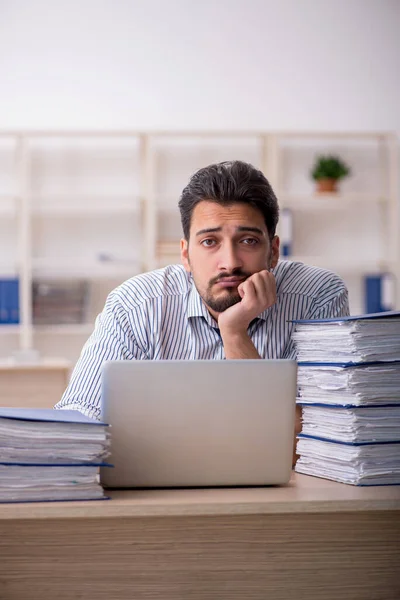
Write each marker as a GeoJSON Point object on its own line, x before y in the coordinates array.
{"type": "Point", "coordinates": [275, 251]}
{"type": "Point", "coordinates": [185, 254]}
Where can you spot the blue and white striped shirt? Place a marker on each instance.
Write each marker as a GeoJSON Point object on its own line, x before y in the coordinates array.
{"type": "Point", "coordinates": [160, 315]}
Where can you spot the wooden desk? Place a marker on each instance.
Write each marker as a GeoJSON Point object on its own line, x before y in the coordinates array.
{"type": "Point", "coordinates": [314, 540]}
{"type": "Point", "coordinates": [38, 385]}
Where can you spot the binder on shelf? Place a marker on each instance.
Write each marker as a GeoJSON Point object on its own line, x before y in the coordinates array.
{"type": "Point", "coordinates": [9, 301]}
{"type": "Point", "coordinates": [3, 303]}
{"type": "Point", "coordinates": [60, 302]}
{"type": "Point", "coordinates": [379, 292]}
{"type": "Point", "coordinates": [286, 233]}
{"type": "Point", "coordinates": [13, 301]}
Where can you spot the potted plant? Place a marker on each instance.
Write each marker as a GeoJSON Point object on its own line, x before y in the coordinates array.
{"type": "Point", "coordinates": [327, 171]}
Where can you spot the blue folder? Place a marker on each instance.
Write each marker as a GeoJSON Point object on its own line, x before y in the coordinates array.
{"type": "Point", "coordinates": [49, 415]}
{"type": "Point", "coordinates": [340, 443]}
{"type": "Point", "coordinates": [347, 365]}
{"type": "Point", "coordinates": [389, 314]}
{"type": "Point", "coordinates": [9, 301]}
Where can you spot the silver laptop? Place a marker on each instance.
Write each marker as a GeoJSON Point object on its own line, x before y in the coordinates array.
{"type": "Point", "coordinates": [199, 423]}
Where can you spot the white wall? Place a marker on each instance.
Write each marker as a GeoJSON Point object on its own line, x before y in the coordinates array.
{"type": "Point", "coordinates": [148, 64]}
{"type": "Point", "coordinates": [193, 64]}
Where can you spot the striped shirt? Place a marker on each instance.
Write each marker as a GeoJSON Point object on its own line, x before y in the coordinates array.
{"type": "Point", "coordinates": [160, 315]}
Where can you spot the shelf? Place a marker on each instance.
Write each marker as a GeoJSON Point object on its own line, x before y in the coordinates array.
{"type": "Point", "coordinates": [123, 133]}
{"type": "Point", "coordinates": [167, 253]}
{"type": "Point", "coordinates": [86, 270]}
{"type": "Point", "coordinates": [8, 205]}
{"type": "Point", "coordinates": [349, 267]}
{"type": "Point", "coordinates": [86, 211]}
{"type": "Point", "coordinates": [327, 200]}
{"type": "Point", "coordinates": [9, 329]}
{"type": "Point", "coordinates": [168, 246]}
{"type": "Point", "coordinates": [43, 363]}
{"type": "Point", "coordinates": [361, 135]}
{"type": "Point", "coordinates": [78, 329]}
{"type": "Point", "coordinates": [165, 261]}
{"type": "Point", "coordinates": [8, 272]}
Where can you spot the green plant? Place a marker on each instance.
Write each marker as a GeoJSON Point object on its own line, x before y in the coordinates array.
{"type": "Point", "coordinates": [329, 167]}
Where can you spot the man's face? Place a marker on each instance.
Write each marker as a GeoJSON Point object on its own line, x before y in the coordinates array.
{"type": "Point", "coordinates": [227, 245]}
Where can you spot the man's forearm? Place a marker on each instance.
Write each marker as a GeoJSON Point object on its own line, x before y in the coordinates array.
{"type": "Point", "coordinates": [238, 346]}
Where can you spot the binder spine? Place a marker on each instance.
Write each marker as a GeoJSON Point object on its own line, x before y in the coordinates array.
{"type": "Point", "coordinates": [286, 233]}
{"type": "Point", "coordinates": [4, 317]}
{"type": "Point", "coordinates": [379, 293]}
{"type": "Point", "coordinates": [13, 301]}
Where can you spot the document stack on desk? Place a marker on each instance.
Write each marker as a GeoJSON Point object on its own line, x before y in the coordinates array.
{"type": "Point", "coordinates": [50, 454]}
{"type": "Point", "coordinates": [349, 390]}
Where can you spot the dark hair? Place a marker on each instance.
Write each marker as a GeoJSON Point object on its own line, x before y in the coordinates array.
{"type": "Point", "coordinates": [228, 183]}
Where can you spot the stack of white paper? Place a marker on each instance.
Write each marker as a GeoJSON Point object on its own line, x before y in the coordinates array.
{"type": "Point", "coordinates": [367, 338]}
{"type": "Point", "coordinates": [367, 464]}
{"type": "Point", "coordinates": [349, 390]}
{"type": "Point", "coordinates": [50, 455]}
{"type": "Point", "coordinates": [352, 425]}
{"type": "Point", "coordinates": [349, 384]}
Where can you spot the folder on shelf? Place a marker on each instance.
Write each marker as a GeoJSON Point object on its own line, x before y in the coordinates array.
{"type": "Point", "coordinates": [9, 301]}
{"type": "Point", "coordinates": [286, 233]}
{"type": "Point", "coordinates": [59, 302]}
{"type": "Point", "coordinates": [13, 300]}
{"type": "Point", "coordinates": [3, 303]}
{"type": "Point", "coordinates": [379, 291]}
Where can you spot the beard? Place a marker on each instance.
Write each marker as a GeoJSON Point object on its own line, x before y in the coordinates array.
{"type": "Point", "coordinates": [220, 304]}
{"type": "Point", "coordinates": [227, 297]}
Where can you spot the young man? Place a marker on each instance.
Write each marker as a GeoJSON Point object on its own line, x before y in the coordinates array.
{"type": "Point", "coordinates": [230, 299]}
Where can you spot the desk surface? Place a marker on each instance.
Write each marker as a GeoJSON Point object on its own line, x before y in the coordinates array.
{"type": "Point", "coordinates": [303, 495]}
{"type": "Point", "coordinates": [309, 540]}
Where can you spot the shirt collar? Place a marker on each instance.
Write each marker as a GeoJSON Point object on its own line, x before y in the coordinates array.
{"type": "Point", "coordinates": [196, 306]}
{"type": "Point", "coordinates": [265, 314]}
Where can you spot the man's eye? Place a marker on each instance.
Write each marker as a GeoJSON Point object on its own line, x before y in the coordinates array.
{"type": "Point", "coordinates": [208, 243]}
{"type": "Point", "coordinates": [250, 241]}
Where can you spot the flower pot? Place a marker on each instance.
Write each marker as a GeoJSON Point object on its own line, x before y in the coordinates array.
{"type": "Point", "coordinates": [327, 185]}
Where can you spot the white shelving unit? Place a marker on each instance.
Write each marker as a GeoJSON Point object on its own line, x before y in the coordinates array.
{"type": "Point", "coordinates": [367, 200]}
{"type": "Point", "coordinates": [102, 206]}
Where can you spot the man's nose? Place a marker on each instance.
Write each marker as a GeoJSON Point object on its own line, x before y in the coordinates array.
{"type": "Point", "coordinates": [230, 257]}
